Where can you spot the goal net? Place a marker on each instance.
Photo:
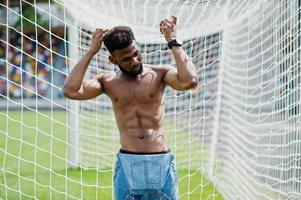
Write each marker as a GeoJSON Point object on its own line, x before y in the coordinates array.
{"type": "Point", "coordinates": [235, 136]}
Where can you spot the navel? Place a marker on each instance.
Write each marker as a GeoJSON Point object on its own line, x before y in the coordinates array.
{"type": "Point", "coordinates": [151, 95]}
{"type": "Point", "coordinates": [115, 99]}
{"type": "Point", "coordinates": [141, 137]}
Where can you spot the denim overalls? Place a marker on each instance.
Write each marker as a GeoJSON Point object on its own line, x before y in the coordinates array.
{"type": "Point", "coordinates": [145, 177]}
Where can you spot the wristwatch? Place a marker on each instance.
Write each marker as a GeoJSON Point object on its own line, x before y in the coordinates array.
{"type": "Point", "coordinates": [174, 42]}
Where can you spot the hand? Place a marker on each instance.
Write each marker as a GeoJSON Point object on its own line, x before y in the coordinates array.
{"type": "Point", "coordinates": [168, 28]}
{"type": "Point", "coordinates": [97, 40]}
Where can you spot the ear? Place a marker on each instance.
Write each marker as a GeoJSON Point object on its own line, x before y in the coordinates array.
{"type": "Point", "coordinates": [112, 60]}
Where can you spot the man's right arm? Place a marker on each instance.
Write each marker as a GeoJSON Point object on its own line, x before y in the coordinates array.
{"type": "Point", "coordinates": [77, 88]}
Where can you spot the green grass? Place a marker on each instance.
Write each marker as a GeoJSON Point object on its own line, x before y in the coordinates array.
{"type": "Point", "coordinates": [33, 163]}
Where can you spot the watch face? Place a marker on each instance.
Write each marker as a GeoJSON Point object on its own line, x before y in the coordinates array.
{"type": "Point", "coordinates": [179, 42]}
{"type": "Point", "coordinates": [175, 42]}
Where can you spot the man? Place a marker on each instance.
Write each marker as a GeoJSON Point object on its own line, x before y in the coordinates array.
{"type": "Point", "coordinates": [145, 167]}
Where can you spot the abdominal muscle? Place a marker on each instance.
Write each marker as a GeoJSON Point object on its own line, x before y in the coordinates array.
{"type": "Point", "coordinates": [152, 141]}
{"type": "Point", "coordinates": [141, 128]}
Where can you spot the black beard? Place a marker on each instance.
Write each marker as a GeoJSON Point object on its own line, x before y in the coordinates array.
{"type": "Point", "coordinates": [132, 74]}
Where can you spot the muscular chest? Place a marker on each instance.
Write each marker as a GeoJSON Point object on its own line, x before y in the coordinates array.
{"type": "Point", "coordinates": [148, 89]}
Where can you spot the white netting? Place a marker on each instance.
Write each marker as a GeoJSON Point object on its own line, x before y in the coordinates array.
{"type": "Point", "coordinates": [195, 17]}
{"type": "Point", "coordinates": [236, 136]}
{"type": "Point", "coordinates": [258, 137]}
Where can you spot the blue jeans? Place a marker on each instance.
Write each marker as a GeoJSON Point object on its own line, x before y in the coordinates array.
{"type": "Point", "coordinates": [145, 177]}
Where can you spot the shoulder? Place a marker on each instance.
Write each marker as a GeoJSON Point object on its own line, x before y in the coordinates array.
{"type": "Point", "coordinates": [106, 80]}
{"type": "Point", "coordinates": [161, 69]}
{"type": "Point", "coordinates": [105, 76]}
{"type": "Point", "coordinates": [163, 72]}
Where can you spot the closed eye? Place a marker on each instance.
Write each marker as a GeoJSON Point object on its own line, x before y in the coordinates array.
{"type": "Point", "coordinates": [126, 59]}
{"type": "Point", "coordinates": [129, 58]}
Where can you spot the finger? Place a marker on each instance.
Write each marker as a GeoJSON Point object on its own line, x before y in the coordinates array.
{"type": "Point", "coordinates": [165, 23]}
{"type": "Point", "coordinates": [104, 33]}
{"type": "Point", "coordinates": [164, 28]}
{"type": "Point", "coordinates": [174, 19]}
{"type": "Point", "coordinates": [100, 30]}
{"type": "Point", "coordinates": [168, 21]}
{"type": "Point", "coordinates": [96, 33]}
{"type": "Point", "coordinates": [161, 22]}
{"type": "Point", "coordinates": [160, 25]}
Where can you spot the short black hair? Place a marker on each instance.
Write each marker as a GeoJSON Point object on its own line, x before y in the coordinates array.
{"type": "Point", "coordinates": [119, 37]}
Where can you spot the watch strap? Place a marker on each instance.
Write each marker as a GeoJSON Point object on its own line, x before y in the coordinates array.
{"type": "Point", "coordinates": [174, 42]}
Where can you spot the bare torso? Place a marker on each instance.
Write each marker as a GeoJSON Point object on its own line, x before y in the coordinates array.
{"type": "Point", "coordinates": [138, 105]}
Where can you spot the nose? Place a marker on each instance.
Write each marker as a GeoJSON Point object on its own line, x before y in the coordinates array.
{"type": "Point", "coordinates": [135, 60]}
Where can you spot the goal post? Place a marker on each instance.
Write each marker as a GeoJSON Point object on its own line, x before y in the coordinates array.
{"type": "Point", "coordinates": [73, 106]}
{"type": "Point", "coordinates": [235, 136]}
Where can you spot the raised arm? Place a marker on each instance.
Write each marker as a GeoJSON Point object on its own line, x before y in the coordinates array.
{"type": "Point", "coordinates": [77, 88]}
{"type": "Point", "coordinates": [184, 76]}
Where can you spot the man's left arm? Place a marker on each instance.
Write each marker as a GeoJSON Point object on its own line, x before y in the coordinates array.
{"type": "Point", "coordinates": [184, 76]}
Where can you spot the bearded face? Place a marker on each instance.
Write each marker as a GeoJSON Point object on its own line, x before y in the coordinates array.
{"type": "Point", "coordinates": [132, 73]}
{"type": "Point", "coordinates": [129, 60]}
